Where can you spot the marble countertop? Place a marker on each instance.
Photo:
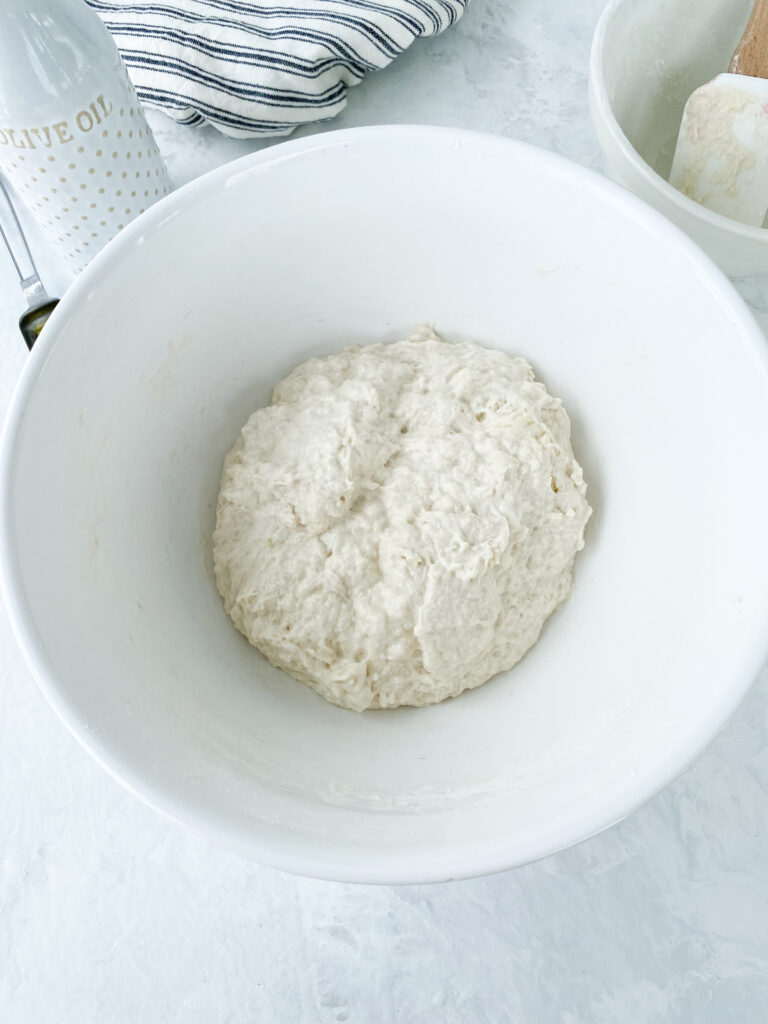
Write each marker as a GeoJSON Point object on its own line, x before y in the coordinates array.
{"type": "Point", "coordinates": [110, 913]}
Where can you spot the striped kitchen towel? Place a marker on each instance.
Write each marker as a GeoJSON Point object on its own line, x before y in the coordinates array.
{"type": "Point", "coordinates": [262, 68]}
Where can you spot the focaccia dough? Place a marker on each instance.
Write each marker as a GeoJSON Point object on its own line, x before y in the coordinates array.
{"type": "Point", "coordinates": [399, 523]}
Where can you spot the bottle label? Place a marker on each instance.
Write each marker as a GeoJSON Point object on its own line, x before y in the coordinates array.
{"type": "Point", "coordinates": [87, 172]}
{"type": "Point", "coordinates": [61, 132]}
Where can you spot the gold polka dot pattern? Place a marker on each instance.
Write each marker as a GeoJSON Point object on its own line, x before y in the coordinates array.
{"type": "Point", "coordinates": [97, 167]}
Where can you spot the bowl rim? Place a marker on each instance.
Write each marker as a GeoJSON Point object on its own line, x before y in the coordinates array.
{"type": "Point", "coordinates": [601, 104]}
{"type": "Point", "coordinates": [375, 867]}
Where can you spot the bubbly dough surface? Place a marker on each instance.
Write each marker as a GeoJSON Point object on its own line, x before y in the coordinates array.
{"type": "Point", "coordinates": [399, 523]}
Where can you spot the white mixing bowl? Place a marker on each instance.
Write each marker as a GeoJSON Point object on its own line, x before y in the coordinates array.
{"type": "Point", "coordinates": [180, 328]}
{"type": "Point", "coordinates": [648, 56]}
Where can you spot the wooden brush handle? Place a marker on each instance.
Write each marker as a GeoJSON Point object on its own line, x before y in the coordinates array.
{"type": "Point", "coordinates": [751, 55]}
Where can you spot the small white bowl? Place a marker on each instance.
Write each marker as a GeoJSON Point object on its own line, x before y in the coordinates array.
{"type": "Point", "coordinates": [110, 467]}
{"type": "Point", "coordinates": [648, 56]}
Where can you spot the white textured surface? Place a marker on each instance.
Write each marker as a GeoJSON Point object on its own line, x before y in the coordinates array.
{"type": "Point", "coordinates": [110, 913]}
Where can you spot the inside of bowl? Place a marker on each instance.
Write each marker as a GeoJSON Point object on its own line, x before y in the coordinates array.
{"type": "Point", "coordinates": [656, 53]}
{"type": "Point", "coordinates": [179, 331]}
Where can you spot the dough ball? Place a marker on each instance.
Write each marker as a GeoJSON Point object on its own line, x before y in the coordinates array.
{"type": "Point", "coordinates": [399, 523]}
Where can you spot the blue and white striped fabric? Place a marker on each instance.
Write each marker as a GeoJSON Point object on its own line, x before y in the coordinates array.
{"type": "Point", "coordinates": [262, 68]}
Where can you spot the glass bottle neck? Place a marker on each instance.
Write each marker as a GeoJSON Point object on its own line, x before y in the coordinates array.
{"type": "Point", "coordinates": [49, 46]}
